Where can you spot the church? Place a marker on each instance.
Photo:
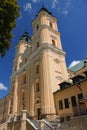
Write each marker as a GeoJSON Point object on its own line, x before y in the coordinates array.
{"type": "Point", "coordinates": [42, 87]}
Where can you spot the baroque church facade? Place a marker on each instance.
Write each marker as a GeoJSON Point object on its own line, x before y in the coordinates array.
{"type": "Point", "coordinates": [39, 72]}
{"type": "Point", "coordinates": [39, 66]}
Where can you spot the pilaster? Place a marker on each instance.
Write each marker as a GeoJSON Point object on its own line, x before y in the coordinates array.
{"type": "Point", "coordinates": [31, 113]}
{"type": "Point", "coordinates": [15, 99]}
{"type": "Point", "coordinates": [47, 102]}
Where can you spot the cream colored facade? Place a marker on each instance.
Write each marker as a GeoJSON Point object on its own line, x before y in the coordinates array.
{"type": "Point", "coordinates": [38, 68]}
{"type": "Point", "coordinates": [4, 108]}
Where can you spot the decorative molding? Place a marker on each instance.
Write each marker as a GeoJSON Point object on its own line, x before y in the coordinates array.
{"type": "Point", "coordinates": [47, 27]}
{"type": "Point", "coordinates": [51, 29]}
{"type": "Point", "coordinates": [51, 20]}
{"type": "Point", "coordinates": [57, 71]}
{"type": "Point", "coordinates": [59, 78]}
{"type": "Point", "coordinates": [53, 37]}
{"type": "Point", "coordinates": [44, 14]}
{"type": "Point", "coordinates": [44, 47]}
{"type": "Point", "coordinates": [56, 60]}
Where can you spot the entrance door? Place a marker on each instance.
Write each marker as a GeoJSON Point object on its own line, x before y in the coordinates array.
{"type": "Point", "coordinates": [39, 112]}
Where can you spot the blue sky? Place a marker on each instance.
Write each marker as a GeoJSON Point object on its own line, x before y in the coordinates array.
{"type": "Point", "coordinates": [72, 24]}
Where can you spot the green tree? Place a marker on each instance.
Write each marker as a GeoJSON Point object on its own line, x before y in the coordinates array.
{"type": "Point", "coordinates": [9, 11]}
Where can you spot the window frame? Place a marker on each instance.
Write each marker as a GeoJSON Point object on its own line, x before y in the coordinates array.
{"type": "Point", "coordinates": [53, 42]}
{"type": "Point", "coordinates": [73, 101]}
{"type": "Point", "coordinates": [37, 87]}
{"type": "Point", "coordinates": [37, 27]}
{"type": "Point", "coordinates": [60, 103]}
{"type": "Point", "coordinates": [37, 68]}
{"type": "Point", "coordinates": [51, 24]}
{"type": "Point", "coordinates": [24, 79]}
{"type": "Point", "coordinates": [66, 103]}
{"type": "Point", "coordinates": [38, 44]}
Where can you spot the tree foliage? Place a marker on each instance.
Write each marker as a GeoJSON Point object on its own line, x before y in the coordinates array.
{"type": "Point", "coordinates": [9, 11]}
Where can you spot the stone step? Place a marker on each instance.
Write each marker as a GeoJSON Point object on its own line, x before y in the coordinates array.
{"type": "Point", "coordinates": [36, 123]}
{"type": "Point", "coordinates": [48, 125]}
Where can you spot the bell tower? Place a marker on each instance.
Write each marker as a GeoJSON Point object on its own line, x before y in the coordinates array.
{"type": "Point", "coordinates": [23, 44]}
{"type": "Point", "coordinates": [49, 60]}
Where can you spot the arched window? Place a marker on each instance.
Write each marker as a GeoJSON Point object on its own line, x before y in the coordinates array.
{"type": "Point", "coordinates": [37, 27]}
{"type": "Point", "coordinates": [24, 79]}
{"type": "Point", "coordinates": [53, 42]}
{"type": "Point", "coordinates": [51, 25]}
{"type": "Point", "coordinates": [37, 68]}
{"type": "Point", "coordinates": [11, 101]}
{"type": "Point", "coordinates": [37, 87]}
{"type": "Point", "coordinates": [25, 59]}
{"type": "Point", "coordinates": [23, 99]}
{"type": "Point", "coordinates": [13, 88]}
{"type": "Point", "coordinates": [37, 44]}
{"type": "Point", "coordinates": [38, 100]}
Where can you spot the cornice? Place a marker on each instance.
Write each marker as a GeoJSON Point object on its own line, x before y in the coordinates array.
{"type": "Point", "coordinates": [44, 47]}
{"type": "Point", "coordinates": [49, 28]}
{"type": "Point", "coordinates": [44, 13]}
{"type": "Point", "coordinates": [44, 26]}
{"type": "Point", "coordinates": [22, 70]}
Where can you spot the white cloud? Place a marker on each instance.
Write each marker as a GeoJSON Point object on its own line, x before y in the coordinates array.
{"type": "Point", "coordinates": [2, 87]}
{"type": "Point", "coordinates": [73, 63]}
{"type": "Point", "coordinates": [28, 7]}
{"type": "Point", "coordinates": [65, 12]}
{"type": "Point", "coordinates": [62, 6]}
{"type": "Point", "coordinates": [68, 3]}
{"type": "Point", "coordinates": [35, 1]}
{"type": "Point", "coordinates": [54, 2]}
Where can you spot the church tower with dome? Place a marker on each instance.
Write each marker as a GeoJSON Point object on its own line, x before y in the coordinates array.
{"type": "Point", "coordinates": [39, 66]}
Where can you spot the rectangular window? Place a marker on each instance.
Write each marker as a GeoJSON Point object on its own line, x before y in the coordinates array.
{"type": "Point", "coordinates": [80, 96]}
{"type": "Point", "coordinates": [37, 68]}
{"type": "Point", "coordinates": [24, 79]}
{"type": "Point", "coordinates": [66, 102]}
{"type": "Point", "coordinates": [37, 88]}
{"type": "Point", "coordinates": [13, 88]}
{"type": "Point", "coordinates": [73, 100]}
{"type": "Point", "coordinates": [37, 44]}
{"type": "Point", "coordinates": [60, 105]}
